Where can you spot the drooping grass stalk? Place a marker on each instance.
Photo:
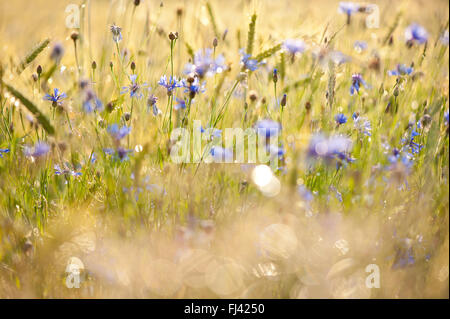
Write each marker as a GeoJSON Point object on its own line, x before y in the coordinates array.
{"type": "Point", "coordinates": [42, 119]}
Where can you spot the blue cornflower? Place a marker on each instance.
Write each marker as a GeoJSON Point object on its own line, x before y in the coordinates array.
{"type": "Point", "coordinates": [39, 149]}
{"type": "Point", "coordinates": [181, 104]}
{"type": "Point", "coordinates": [170, 85]}
{"type": "Point", "coordinates": [194, 87]}
{"type": "Point", "coordinates": [118, 133]}
{"type": "Point", "coordinates": [121, 153]}
{"type": "Point", "coordinates": [410, 144]}
{"type": "Point", "coordinates": [134, 88]}
{"type": "Point", "coordinates": [360, 46]}
{"type": "Point", "coordinates": [401, 70]}
{"type": "Point", "coordinates": [205, 65]}
{"type": "Point", "coordinates": [221, 154]}
{"type": "Point", "coordinates": [362, 124]}
{"type": "Point", "coordinates": [274, 150]}
{"type": "Point", "coordinates": [446, 118]}
{"type": "Point", "coordinates": [403, 258]}
{"type": "Point", "coordinates": [305, 193]}
{"type": "Point", "coordinates": [357, 80]}
{"type": "Point", "coordinates": [151, 102]}
{"type": "Point", "coordinates": [56, 98]}
{"type": "Point", "coordinates": [91, 102]}
{"type": "Point", "coordinates": [268, 128]}
{"type": "Point", "coordinates": [340, 118]}
{"type": "Point", "coordinates": [57, 52]}
{"type": "Point", "coordinates": [247, 63]}
{"type": "Point", "coordinates": [348, 8]}
{"type": "Point", "coordinates": [415, 33]}
{"type": "Point", "coordinates": [59, 171]}
{"type": "Point", "coordinates": [334, 147]}
{"type": "Point", "coordinates": [294, 46]}
{"type": "Point", "coordinates": [116, 32]}
{"type": "Point", "coordinates": [212, 132]}
{"type": "Point", "coordinates": [3, 151]}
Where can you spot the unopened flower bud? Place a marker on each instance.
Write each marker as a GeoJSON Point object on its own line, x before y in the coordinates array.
{"type": "Point", "coordinates": [94, 65]}
{"type": "Point", "coordinates": [308, 106]}
{"type": "Point", "coordinates": [133, 66]}
{"type": "Point", "coordinates": [110, 107]}
{"type": "Point", "coordinates": [396, 92]}
{"type": "Point", "coordinates": [275, 75]}
{"type": "Point", "coordinates": [39, 69]}
{"type": "Point", "coordinates": [253, 95]}
{"type": "Point", "coordinates": [74, 36]}
{"type": "Point", "coordinates": [215, 42]}
{"type": "Point", "coordinates": [283, 100]}
{"type": "Point", "coordinates": [173, 36]}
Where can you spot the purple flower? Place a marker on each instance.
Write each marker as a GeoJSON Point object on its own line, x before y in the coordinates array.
{"type": "Point", "coordinates": [57, 52]}
{"type": "Point", "coordinates": [181, 104]}
{"type": "Point", "coordinates": [205, 65]}
{"type": "Point", "coordinates": [151, 102]}
{"type": "Point", "coordinates": [357, 80]}
{"type": "Point", "coordinates": [65, 171]}
{"type": "Point", "coordinates": [274, 150]}
{"type": "Point", "coordinates": [118, 133]}
{"type": "Point", "coordinates": [121, 153]}
{"type": "Point", "coordinates": [3, 151]}
{"type": "Point", "coordinates": [340, 119]}
{"type": "Point", "coordinates": [334, 147]}
{"type": "Point", "coordinates": [401, 70]}
{"type": "Point", "coordinates": [194, 87]}
{"type": "Point", "coordinates": [91, 102]}
{"type": "Point", "coordinates": [134, 88]}
{"type": "Point", "coordinates": [348, 8]}
{"type": "Point", "coordinates": [268, 128]}
{"type": "Point", "coordinates": [39, 149]}
{"type": "Point", "coordinates": [116, 32]}
{"type": "Point", "coordinates": [415, 33]}
{"type": "Point", "coordinates": [221, 154]}
{"type": "Point", "coordinates": [211, 132]}
{"type": "Point", "coordinates": [246, 62]}
{"type": "Point", "coordinates": [362, 124]}
{"type": "Point", "coordinates": [294, 46]}
{"type": "Point", "coordinates": [305, 193]}
{"type": "Point", "coordinates": [410, 143]}
{"type": "Point", "coordinates": [56, 98]}
{"type": "Point", "coordinates": [170, 85]}
{"type": "Point", "coordinates": [360, 46]}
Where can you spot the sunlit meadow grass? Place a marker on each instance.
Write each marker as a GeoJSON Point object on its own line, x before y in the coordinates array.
{"type": "Point", "coordinates": [74, 185]}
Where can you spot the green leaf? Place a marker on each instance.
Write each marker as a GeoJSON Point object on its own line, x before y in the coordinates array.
{"type": "Point", "coordinates": [42, 119]}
